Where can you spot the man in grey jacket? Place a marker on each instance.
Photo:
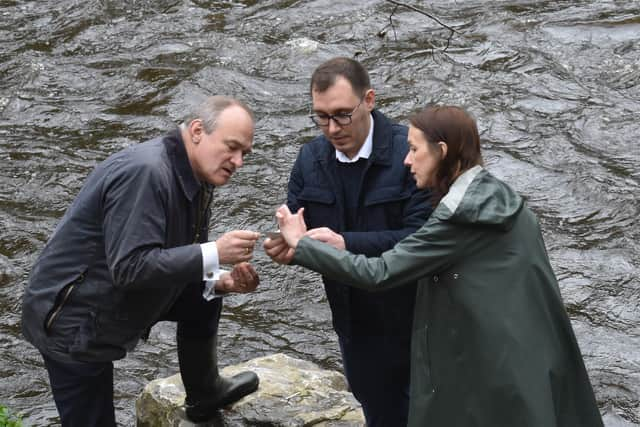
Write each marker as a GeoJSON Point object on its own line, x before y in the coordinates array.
{"type": "Point", "coordinates": [132, 250]}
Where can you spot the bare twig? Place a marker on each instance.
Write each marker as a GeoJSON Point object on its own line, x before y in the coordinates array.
{"type": "Point", "coordinates": [395, 35]}
{"type": "Point", "coordinates": [422, 12]}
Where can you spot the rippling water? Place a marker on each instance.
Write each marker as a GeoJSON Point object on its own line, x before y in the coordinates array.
{"type": "Point", "coordinates": [555, 87]}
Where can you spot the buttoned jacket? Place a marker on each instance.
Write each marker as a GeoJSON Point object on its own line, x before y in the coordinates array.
{"type": "Point", "coordinates": [389, 207]}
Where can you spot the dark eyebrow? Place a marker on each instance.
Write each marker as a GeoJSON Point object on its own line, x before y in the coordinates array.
{"type": "Point", "coordinates": [338, 111]}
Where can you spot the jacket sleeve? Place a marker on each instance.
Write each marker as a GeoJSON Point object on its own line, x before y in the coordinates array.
{"type": "Point", "coordinates": [296, 183]}
{"type": "Point", "coordinates": [415, 213]}
{"type": "Point", "coordinates": [432, 248]}
{"type": "Point", "coordinates": [135, 214]}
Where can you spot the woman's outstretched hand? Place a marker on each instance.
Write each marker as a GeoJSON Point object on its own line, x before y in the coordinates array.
{"type": "Point", "coordinates": [292, 226]}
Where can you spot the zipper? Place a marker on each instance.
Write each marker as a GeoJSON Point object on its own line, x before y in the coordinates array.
{"type": "Point", "coordinates": [204, 204]}
{"type": "Point", "coordinates": [62, 301]}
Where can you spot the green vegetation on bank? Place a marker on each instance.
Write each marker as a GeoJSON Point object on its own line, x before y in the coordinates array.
{"type": "Point", "coordinates": [7, 419]}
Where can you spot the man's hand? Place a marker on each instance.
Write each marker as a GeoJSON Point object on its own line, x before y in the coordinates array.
{"type": "Point", "coordinates": [326, 235]}
{"type": "Point", "coordinates": [236, 246]}
{"type": "Point", "coordinates": [242, 279]}
{"type": "Point", "coordinates": [278, 250]}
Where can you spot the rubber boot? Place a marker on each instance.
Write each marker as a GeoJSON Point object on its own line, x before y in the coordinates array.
{"type": "Point", "coordinates": [206, 390]}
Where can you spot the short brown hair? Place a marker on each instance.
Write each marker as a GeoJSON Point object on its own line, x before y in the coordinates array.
{"type": "Point", "coordinates": [325, 75]}
{"type": "Point", "coordinates": [459, 131]}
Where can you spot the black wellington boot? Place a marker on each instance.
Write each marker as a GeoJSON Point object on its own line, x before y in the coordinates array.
{"type": "Point", "coordinates": [206, 390]}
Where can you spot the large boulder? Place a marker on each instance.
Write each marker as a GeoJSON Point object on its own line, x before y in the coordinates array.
{"type": "Point", "coordinates": [292, 393]}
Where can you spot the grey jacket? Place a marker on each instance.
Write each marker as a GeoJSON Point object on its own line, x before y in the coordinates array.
{"type": "Point", "coordinates": [121, 255]}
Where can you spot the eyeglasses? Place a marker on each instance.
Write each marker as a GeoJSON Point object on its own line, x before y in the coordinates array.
{"type": "Point", "coordinates": [341, 119]}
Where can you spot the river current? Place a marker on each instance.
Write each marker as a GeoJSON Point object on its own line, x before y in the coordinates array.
{"type": "Point", "coordinates": [554, 85]}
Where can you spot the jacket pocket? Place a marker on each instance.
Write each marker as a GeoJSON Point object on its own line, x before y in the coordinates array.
{"type": "Point", "coordinates": [317, 195]}
{"type": "Point", "coordinates": [385, 208]}
{"type": "Point", "coordinates": [320, 207]}
{"type": "Point", "coordinates": [393, 194]}
{"type": "Point", "coordinates": [88, 347]}
{"type": "Point", "coordinates": [60, 301]}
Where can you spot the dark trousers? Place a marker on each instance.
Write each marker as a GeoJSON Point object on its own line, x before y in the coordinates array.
{"type": "Point", "coordinates": [377, 369]}
{"type": "Point", "coordinates": [83, 391]}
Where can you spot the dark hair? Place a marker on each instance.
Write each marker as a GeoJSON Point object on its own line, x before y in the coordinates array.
{"type": "Point", "coordinates": [459, 131]}
{"type": "Point", "coordinates": [325, 75]}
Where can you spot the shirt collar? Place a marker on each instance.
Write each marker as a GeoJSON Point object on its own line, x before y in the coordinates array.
{"type": "Point", "coordinates": [365, 150]}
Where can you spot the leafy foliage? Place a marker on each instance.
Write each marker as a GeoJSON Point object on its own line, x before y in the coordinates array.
{"type": "Point", "coordinates": [7, 419]}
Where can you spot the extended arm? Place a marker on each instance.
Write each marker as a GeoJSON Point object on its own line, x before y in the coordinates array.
{"type": "Point", "coordinates": [134, 224]}
{"type": "Point", "coordinates": [430, 249]}
{"type": "Point", "coordinates": [135, 217]}
{"type": "Point", "coordinates": [415, 212]}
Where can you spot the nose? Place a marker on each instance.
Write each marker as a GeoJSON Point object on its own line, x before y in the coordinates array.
{"type": "Point", "coordinates": [237, 159]}
{"type": "Point", "coordinates": [334, 127]}
{"type": "Point", "coordinates": [407, 159]}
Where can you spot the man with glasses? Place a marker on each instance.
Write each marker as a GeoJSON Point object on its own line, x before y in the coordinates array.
{"type": "Point", "coordinates": [359, 196]}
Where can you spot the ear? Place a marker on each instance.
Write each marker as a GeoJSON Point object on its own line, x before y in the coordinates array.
{"type": "Point", "coordinates": [369, 99]}
{"type": "Point", "coordinates": [195, 130]}
{"type": "Point", "coordinates": [443, 149]}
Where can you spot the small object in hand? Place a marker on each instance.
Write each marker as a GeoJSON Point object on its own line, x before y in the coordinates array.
{"type": "Point", "coordinates": [273, 234]}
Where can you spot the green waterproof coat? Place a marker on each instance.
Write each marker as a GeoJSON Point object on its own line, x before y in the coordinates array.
{"type": "Point", "coordinates": [492, 343]}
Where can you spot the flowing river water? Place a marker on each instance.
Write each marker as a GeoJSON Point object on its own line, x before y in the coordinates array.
{"type": "Point", "coordinates": [554, 85]}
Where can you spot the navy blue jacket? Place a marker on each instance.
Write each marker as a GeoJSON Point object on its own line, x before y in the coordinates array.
{"type": "Point", "coordinates": [120, 256]}
{"type": "Point", "coordinates": [390, 207]}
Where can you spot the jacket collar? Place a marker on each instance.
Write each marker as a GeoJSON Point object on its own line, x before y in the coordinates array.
{"type": "Point", "coordinates": [181, 165]}
{"type": "Point", "coordinates": [380, 153]}
{"type": "Point", "coordinates": [459, 188]}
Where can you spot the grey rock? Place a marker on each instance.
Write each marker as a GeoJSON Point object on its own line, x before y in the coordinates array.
{"type": "Point", "coordinates": [292, 393]}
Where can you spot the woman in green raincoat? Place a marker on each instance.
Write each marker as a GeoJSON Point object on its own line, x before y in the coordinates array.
{"type": "Point", "coordinates": [492, 342]}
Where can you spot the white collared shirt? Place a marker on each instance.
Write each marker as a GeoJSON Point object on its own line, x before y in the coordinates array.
{"type": "Point", "coordinates": [363, 153]}
{"type": "Point", "coordinates": [210, 269]}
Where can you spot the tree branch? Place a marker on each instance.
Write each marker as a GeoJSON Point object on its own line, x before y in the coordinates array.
{"type": "Point", "coordinates": [422, 12]}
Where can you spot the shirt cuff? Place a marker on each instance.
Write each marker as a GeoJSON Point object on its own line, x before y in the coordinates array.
{"type": "Point", "coordinates": [210, 270]}
{"type": "Point", "coordinates": [210, 261]}
{"type": "Point", "coordinates": [209, 292]}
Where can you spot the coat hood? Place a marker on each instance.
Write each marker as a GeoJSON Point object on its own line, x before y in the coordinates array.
{"type": "Point", "coordinates": [478, 198]}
